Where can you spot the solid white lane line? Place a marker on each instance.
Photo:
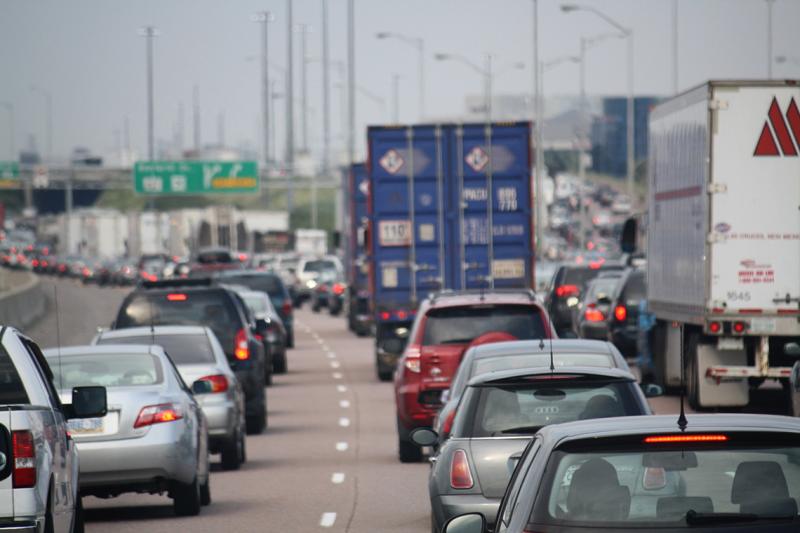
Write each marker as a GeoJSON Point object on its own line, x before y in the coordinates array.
{"type": "Point", "coordinates": [344, 421]}
{"type": "Point", "coordinates": [344, 404]}
{"type": "Point", "coordinates": [337, 375]}
{"type": "Point", "coordinates": [342, 446]}
{"type": "Point", "coordinates": [341, 388]}
{"type": "Point", "coordinates": [327, 520]}
{"type": "Point", "coordinates": [335, 364]}
{"type": "Point", "coordinates": [337, 478]}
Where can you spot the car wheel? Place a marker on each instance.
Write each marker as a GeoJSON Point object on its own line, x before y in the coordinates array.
{"type": "Point", "coordinates": [256, 424]}
{"type": "Point", "coordinates": [231, 455]}
{"type": "Point", "coordinates": [49, 526]}
{"type": "Point", "coordinates": [408, 451]}
{"type": "Point", "coordinates": [385, 374]}
{"type": "Point", "coordinates": [268, 376]}
{"type": "Point", "coordinates": [242, 448]}
{"type": "Point", "coordinates": [205, 491]}
{"type": "Point", "coordinates": [315, 308]}
{"type": "Point", "coordinates": [279, 365]}
{"type": "Point", "coordinates": [77, 517]}
{"type": "Point", "coordinates": [186, 498]}
{"type": "Point", "coordinates": [290, 340]}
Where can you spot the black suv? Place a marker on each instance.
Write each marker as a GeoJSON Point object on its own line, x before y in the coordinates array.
{"type": "Point", "coordinates": [623, 325]}
{"type": "Point", "coordinates": [566, 291]}
{"type": "Point", "coordinates": [272, 284]}
{"type": "Point", "coordinates": [191, 302]}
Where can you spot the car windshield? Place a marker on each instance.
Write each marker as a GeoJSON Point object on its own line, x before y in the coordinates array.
{"type": "Point", "coordinates": [459, 325]}
{"type": "Point", "coordinates": [681, 487]}
{"type": "Point", "coordinates": [269, 283]}
{"type": "Point", "coordinates": [319, 265]}
{"type": "Point", "coordinates": [106, 370]}
{"type": "Point", "coordinates": [182, 349]}
{"type": "Point", "coordinates": [580, 277]}
{"type": "Point", "coordinates": [191, 308]}
{"type": "Point", "coordinates": [12, 391]}
{"type": "Point", "coordinates": [258, 304]}
{"type": "Point", "coordinates": [601, 287]}
{"type": "Point", "coordinates": [523, 409]}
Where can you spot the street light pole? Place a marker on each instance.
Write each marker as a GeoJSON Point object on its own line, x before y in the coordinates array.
{"type": "Point", "coordinates": [326, 94]}
{"type": "Point", "coordinates": [289, 110]}
{"type": "Point", "coordinates": [264, 18]}
{"type": "Point", "coordinates": [537, 132]}
{"type": "Point", "coordinates": [48, 119]}
{"type": "Point", "coordinates": [274, 95]}
{"type": "Point", "coordinates": [9, 107]}
{"type": "Point", "coordinates": [395, 98]}
{"type": "Point", "coordinates": [419, 44]}
{"type": "Point", "coordinates": [304, 30]}
{"type": "Point", "coordinates": [674, 46]}
{"type": "Point", "coordinates": [351, 82]}
{"type": "Point", "coordinates": [149, 32]}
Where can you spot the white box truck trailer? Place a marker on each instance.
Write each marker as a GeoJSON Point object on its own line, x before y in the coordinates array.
{"type": "Point", "coordinates": [723, 238]}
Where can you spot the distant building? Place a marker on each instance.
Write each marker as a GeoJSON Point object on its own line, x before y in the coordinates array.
{"type": "Point", "coordinates": [609, 134]}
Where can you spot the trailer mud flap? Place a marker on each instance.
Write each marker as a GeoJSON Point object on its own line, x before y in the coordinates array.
{"type": "Point", "coordinates": [710, 392]}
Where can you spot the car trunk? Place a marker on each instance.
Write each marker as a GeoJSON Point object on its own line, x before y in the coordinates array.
{"type": "Point", "coordinates": [124, 405]}
{"type": "Point", "coordinates": [438, 365]}
{"type": "Point", "coordinates": [489, 459]}
{"type": "Point", "coordinates": [6, 482]}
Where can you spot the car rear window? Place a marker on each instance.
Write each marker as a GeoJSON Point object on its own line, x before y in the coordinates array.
{"type": "Point", "coordinates": [459, 325]}
{"type": "Point", "coordinates": [319, 266]}
{"type": "Point", "coordinates": [523, 409]}
{"type": "Point", "coordinates": [600, 287]}
{"type": "Point", "coordinates": [580, 277]}
{"type": "Point", "coordinates": [682, 487]}
{"type": "Point", "coordinates": [269, 283]}
{"type": "Point", "coordinates": [182, 349]}
{"type": "Point", "coordinates": [635, 288]}
{"type": "Point", "coordinates": [107, 370]}
{"type": "Point", "coordinates": [510, 362]}
{"type": "Point", "coordinates": [12, 391]}
{"type": "Point", "coordinates": [190, 308]}
{"type": "Point", "coordinates": [214, 257]}
{"type": "Point", "coordinates": [257, 304]}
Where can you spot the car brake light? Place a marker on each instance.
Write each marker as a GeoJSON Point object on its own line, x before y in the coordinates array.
{"type": "Point", "coordinates": [739, 327]}
{"type": "Point", "coordinates": [287, 307]}
{"type": "Point", "coordinates": [460, 476]}
{"type": "Point", "coordinates": [714, 327]}
{"type": "Point", "coordinates": [175, 297]}
{"type": "Point", "coordinates": [654, 478]}
{"type": "Point", "coordinates": [566, 290]}
{"type": "Point", "coordinates": [385, 315]}
{"type": "Point", "coordinates": [671, 439]}
{"type": "Point", "coordinates": [219, 383]}
{"type": "Point", "coordinates": [594, 315]}
{"type": "Point", "coordinates": [412, 360]}
{"type": "Point", "coordinates": [401, 315]}
{"type": "Point", "coordinates": [24, 470]}
{"type": "Point", "coordinates": [241, 350]}
{"type": "Point", "coordinates": [338, 289]}
{"type": "Point", "coordinates": [158, 414]}
{"type": "Point", "coordinates": [594, 265]}
{"type": "Point", "coordinates": [621, 313]}
{"type": "Point", "coordinates": [448, 423]}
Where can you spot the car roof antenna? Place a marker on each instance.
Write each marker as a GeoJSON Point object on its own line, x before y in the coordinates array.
{"type": "Point", "coordinates": [552, 362]}
{"type": "Point", "coordinates": [58, 338]}
{"type": "Point", "coordinates": [682, 421]}
{"type": "Point", "coordinates": [152, 322]}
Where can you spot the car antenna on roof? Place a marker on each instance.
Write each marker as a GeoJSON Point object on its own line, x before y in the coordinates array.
{"type": "Point", "coordinates": [682, 422]}
{"type": "Point", "coordinates": [152, 322]}
{"type": "Point", "coordinates": [552, 362]}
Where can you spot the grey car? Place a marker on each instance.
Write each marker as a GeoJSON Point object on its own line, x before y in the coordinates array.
{"type": "Point", "coordinates": [154, 437]}
{"type": "Point", "coordinates": [717, 473]}
{"type": "Point", "coordinates": [499, 356]}
{"type": "Point", "coordinates": [201, 361]}
{"type": "Point", "coordinates": [496, 418]}
{"type": "Point", "coordinates": [269, 326]}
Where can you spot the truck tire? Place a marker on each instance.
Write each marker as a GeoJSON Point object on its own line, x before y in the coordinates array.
{"type": "Point", "coordinates": [186, 498]}
{"type": "Point", "coordinates": [205, 491]}
{"type": "Point", "coordinates": [691, 372]}
{"type": "Point", "coordinates": [408, 452]}
{"type": "Point", "coordinates": [77, 516]}
{"type": "Point", "coordinates": [384, 373]}
{"type": "Point", "coordinates": [658, 349]}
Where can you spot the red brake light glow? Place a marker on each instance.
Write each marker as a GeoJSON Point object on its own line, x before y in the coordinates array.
{"type": "Point", "coordinates": [460, 476]}
{"type": "Point", "coordinates": [594, 315]}
{"type": "Point", "coordinates": [176, 297]}
{"type": "Point", "coordinates": [241, 351]}
{"type": "Point", "coordinates": [385, 315]}
{"type": "Point", "coordinates": [620, 313]}
{"type": "Point", "coordinates": [219, 383]}
{"type": "Point", "coordinates": [412, 360]}
{"type": "Point", "coordinates": [714, 327]}
{"type": "Point", "coordinates": [287, 307]}
{"type": "Point", "coordinates": [672, 439]}
{"type": "Point", "coordinates": [739, 327]}
{"type": "Point", "coordinates": [448, 423]}
{"type": "Point", "coordinates": [566, 290]}
{"type": "Point", "coordinates": [338, 289]}
{"type": "Point", "coordinates": [24, 468]}
{"type": "Point", "coordinates": [157, 414]}
{"type": "Point", "coordinates": [401, 315]}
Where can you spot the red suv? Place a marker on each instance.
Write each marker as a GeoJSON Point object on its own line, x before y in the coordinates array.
{"type": "Point", "coordinates": [446, 325]}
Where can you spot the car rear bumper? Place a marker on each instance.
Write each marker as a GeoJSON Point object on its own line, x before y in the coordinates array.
{"type": "Point", "coordinates": [446, 507]}
{"type": "Point", "coordinates": [21, 526]}
{"type": "Point", "coordinates": [411, 413]}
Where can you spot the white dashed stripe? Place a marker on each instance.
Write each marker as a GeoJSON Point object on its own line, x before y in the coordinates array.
{"type": "Point", "coordinates": [344, 422]}
{"type": "Point", "coordinates": [335, 364]}
{"type": "Point", "coordinates": [337, 375]}
{"type": "Point", "coordinates": [337, 478]}
{"type": "Point", "coordinates": [342, 446]}
{"type": "Point", "coordinates": [341, 388]}
{"type": "Point", "coordinates": [327, 520]}
{"type": "Point", "coordinates": [344, 404]}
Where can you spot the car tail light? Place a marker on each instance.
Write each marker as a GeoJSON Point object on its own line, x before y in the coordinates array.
{"type": "Point", "coordinates": [338, 289]}
{"type": "Point", "coordinates": [219, 383]}
{"type": "Point", "coordinates": [448, 423]}
{"type": "Point", "coordinates": [24, 470]}
{"type": "Point", "coordinates": [654, 478]}
{"type": "Point", "coordinates": [241, 350]}
{"type": "Point", "coordinates": [147, 276]}
{"type": "Point", "coordinates": [411, 360]}
{"type": "Point", "coordinates": [594, 265]}
{"type": "Point", "coordinates": [386, 315]}
{"type": "Point", "coordinates": [714, 327]}
{"type": "Point", "coordinates": [594, 315]}
{"type": "Point", "coordinates": [620, 313]}
{"type": "Point", "coordinates": [566, 290]}
{"type": "Point", "coordinates": [460, 476]}
{"type": "Point", "coordinates": [35, 263]}
{"type": "Point", "coordinates": [287, 307]}
{"type": "Point", "coordinates": [672, 439]}
{"type": "Point", "coordinates": [177, 297]}
{"type": "Point", "coordinates": [401, 315]}
{"type": "Point", "coordinates": [739, 327]}
{"type": "Point", "coordinates": [158, 414]}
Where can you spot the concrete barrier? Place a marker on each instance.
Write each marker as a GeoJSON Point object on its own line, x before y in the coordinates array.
{"type": "Point", "coordinates": [22, 302]}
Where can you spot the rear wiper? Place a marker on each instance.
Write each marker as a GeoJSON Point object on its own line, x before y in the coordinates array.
{"type": "Point", "coordinates": [520, 430]}
{"type": "Point", "coordinates": [693, 518]}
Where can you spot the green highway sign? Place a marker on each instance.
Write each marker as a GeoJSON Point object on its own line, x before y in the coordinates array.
{"type": "Point", "coordinates": [195, 177]}
{"type": "Point", "coordinates": [9, 170]}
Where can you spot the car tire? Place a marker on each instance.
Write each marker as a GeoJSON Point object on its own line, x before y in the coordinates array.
{"type": "Point", "coordinates": [186, 498]}
{"type": "Point", "coordinates": [205, 491]}
{"type": "Point", "coordinates": [315, 308]}
{"type": "Point", "coordinates": [268, 376]}
{"type": "Point", "coordinates": [230, 455]}
{"type": "Point", "coordinates": [256, 424]}
{"type": "Point", "coordinates": [408, 452]}
{"type": "Point", "coordinates": [49, 525]}
{"type": "Point", "coordinates": [242, 448]}
{"type": "Point", "coordinates": [279, 366]}
{"type": "Point", "coordinates": [78, 518]}
{"type": "Point", "coordinates": [290, 340]}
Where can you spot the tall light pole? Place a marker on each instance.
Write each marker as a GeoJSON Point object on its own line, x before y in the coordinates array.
{"type": "Point", "coordinates": [628, 34]}
{"type": "Point", "coordinates": [274, 95]}
{"type": "Point", "coordinates": [326, 94]}
{"type": "Point", "coordinates": [537, 132]}
{"type": "Point", "coordinates": [9, 107]}
{"type": "Point", "coordinates": [674, 46]}
{"type": "Point", "coordinates": [48, 119]}
{"type": "Point", "coordinates": [149, 32]}
{"type": "Point", "coordinates": [396, 98]}
{"type": "Point", "coordinates": [264, 18]}
{"type": "Point", "coordinates": [304, 30]}
{"type": "Point", "coordinates": [419, 44]}
{"type": "Point", "coordinates": [351, 82]}
{"type": "Point", "coordinates": [289, 166]}
{"type": "Point", "coordinates": [770, 3]}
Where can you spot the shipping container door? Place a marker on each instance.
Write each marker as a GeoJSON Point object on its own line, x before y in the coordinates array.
{"type": "Point", "coordinates": [755, 217]}
{"type": "Point", "coordinates": [406, 212]}
{"type": "Point", "coordinates": [500, 163]}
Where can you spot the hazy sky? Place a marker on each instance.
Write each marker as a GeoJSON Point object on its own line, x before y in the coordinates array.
{"type": "Point", "coordinates": [89, 55]}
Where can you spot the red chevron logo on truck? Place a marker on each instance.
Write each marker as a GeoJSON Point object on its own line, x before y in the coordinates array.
{"type": "Point", "coordinates": [775, 127]}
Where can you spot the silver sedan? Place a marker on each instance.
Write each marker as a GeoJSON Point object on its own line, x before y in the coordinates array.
{"type": "Point", "coordinates": [154, 438]}
{"type": "Point", "coordinates": [201, 362]}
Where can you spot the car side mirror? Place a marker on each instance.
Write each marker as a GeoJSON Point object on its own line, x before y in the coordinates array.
{"type": "Point", "coordinates": [202, 386]}
{"type": "Point", "coordinates": [466, 523]}
{"type": "Point", "coordinates": [87, 402]}
{"type": "Point", "coordinates": [424, 437]}
{"type": "Point", "coordinates": [261, 324]}
{"type": "Point", "coordinates": [651, 390]}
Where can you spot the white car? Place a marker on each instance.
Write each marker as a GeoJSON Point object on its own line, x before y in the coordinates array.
{"type": "Point", "coordinates": [38, 459]}
{"type": "Point", "coordinates": [310, 268]}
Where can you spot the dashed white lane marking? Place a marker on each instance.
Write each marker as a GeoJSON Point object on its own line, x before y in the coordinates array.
{"type": "Point", "coordinates": [337, 375]}
{"type": "Point", "coordinates": [342, 446]}
{"type": "Point", "coordinates": [327, 520]}
{"type": "Point", "coordinates": [337, 478]}
{"type": "Point", "coordinates": [344, 422]}
{"type": "Point", "coordinates": [335, 364]}
{"type": "Point", "coordinates": [341, 388]}
{"type": "Point", "coordinates": [331, 355]}
{"type": "Point", "coordinates": [320, 341]}
{"type": "Point", "coordinates": [344, 404]}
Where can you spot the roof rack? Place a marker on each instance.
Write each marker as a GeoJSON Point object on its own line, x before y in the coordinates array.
{"type": "Point", "coordinates": [530, 293]}
{"type": "Point", "coordinates": [177, 282]}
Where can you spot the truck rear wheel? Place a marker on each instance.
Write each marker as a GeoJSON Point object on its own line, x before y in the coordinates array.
{"type": "Point", "coordinates": [691, 372]}
{"type": "Point", "coordinates": [658, 350]}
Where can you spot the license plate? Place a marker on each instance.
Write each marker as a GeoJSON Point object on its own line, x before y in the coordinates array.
{"type": "Point", "coordinates": [86, 426]}
{"type": "Point", "coordinates": [394, 232]}
{"type": "Point", "coordinates": [730, 343]}
{"type": "Point", "coordinates": [763, 325]}
{"type": "Point", "coordinates": [508, 268]}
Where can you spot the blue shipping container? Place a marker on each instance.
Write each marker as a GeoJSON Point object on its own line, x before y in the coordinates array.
{"type": "Point", "coordinates": [437, 192]}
